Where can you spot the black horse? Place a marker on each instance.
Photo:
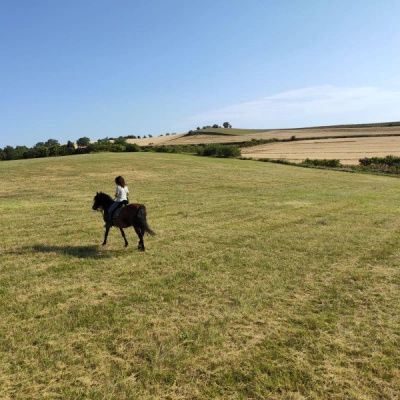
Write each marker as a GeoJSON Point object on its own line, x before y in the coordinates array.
{"type": "Point", "coordinates": [130, 215]}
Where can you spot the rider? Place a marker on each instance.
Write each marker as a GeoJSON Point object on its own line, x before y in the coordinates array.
{"type": "Point", "coordinates": [121, 194]}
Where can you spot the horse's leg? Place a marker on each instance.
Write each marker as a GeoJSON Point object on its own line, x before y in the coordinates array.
{"type": "Point", "coordinates": [105, 236]}
{"type": "Point", "coordinates": [140, 235]}
{"type": "Point", "coordinates": [123, 235]}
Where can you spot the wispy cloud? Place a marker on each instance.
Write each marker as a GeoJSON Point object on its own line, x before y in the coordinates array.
{"type": "Point", "coordinates": [320, 105]}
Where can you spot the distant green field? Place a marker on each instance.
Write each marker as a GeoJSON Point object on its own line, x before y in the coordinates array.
{"type": "Point", "coordinates": [264, 281]}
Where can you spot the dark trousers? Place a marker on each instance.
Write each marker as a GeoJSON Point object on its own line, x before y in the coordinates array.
{"type": "Point", "coordinates": [112, 208]}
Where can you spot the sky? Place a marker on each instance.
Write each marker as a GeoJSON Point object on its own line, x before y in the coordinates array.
{"type": "Point", "coordinates": [110, 68]}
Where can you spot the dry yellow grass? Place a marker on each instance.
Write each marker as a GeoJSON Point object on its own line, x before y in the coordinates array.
{"type": "Point", "coordinates": [344, 143]}
{"type": "Point", "coordinates": [348, 151]}
{"type": "Point", "coordinates": [159, 140]}
{"type": "Point", "coordinates": [281, 134]}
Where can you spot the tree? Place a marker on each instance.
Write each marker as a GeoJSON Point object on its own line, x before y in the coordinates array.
{"type": "Point", "coordinates": [54, 150]}
{"type": "Point", "coordinates": [83, 142]}
{"type": "Point", "coordinates": [51, 142]}
{"type": "Point", "coordinates": [121, 140]}
{"type": "Point", "coordinates": [101, 145]}
{"type": "Point", "coordinates": [20, 151]}
{"type": "Point", "coordinates": [70, 147]}
{"type": "Point", "coordinates": [42, 151]}
{"type": "Point", "coordinates": [10, 153]}
{"type": "Point", "coordinates": [227, 125]}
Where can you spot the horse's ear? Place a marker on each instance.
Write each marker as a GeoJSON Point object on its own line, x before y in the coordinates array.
{"type": "Point", "coordinates": [97, 192]}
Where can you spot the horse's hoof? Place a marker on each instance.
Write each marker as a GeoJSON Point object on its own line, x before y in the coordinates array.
{"type": "Point", "coordinates": [104, 243]}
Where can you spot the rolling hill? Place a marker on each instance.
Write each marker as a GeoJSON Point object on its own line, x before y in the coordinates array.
{"type": "Point", "coordinates": [347, 143]}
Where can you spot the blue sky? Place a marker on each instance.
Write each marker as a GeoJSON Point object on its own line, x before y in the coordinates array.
{"type": "Point", "coordinates": [109, 68]}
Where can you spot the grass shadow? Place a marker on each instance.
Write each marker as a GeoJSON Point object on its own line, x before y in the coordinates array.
{"type": "Point", "coordinates": [92, 251]}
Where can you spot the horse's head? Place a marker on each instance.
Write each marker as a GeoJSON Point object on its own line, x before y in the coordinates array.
{"type": "Point", "coordinates": [101, 201]}
{"type": "Point", "coordinates": [96, 203]}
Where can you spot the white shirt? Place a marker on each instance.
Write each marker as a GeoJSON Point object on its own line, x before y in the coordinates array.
{"type": "Point", "coordinates": [122, 193]}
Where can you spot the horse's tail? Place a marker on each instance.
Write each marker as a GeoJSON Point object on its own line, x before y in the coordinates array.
{"type": "Point", "coordinates": [141, 220]}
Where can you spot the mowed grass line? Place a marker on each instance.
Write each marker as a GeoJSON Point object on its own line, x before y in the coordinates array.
{"type": "Point", "coordinates": [264, 281]}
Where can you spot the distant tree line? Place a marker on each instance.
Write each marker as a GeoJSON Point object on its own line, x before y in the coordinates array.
{"type": "Point", "coordinates": [215, 126]}
{"type": "Point", "coordinates": [52, 148]}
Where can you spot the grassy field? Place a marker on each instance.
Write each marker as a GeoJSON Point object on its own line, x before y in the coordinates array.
{"type": "Point", "coordinates": [264, 281]}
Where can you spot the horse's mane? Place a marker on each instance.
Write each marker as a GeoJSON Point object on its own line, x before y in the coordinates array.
{"type": "Point", "coordinates": [104, 197]}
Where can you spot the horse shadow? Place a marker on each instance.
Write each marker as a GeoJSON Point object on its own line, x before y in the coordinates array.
{"type": "Point", "coordinates": [86, 252]}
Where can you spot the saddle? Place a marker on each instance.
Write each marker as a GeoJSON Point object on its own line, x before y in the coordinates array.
{"type": "Point", "coordinates": [120, 207]}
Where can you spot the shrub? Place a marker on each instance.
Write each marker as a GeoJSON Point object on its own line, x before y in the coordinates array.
{"type": "Point", "coordinates": [120, 141]}
{"type": "Point", "coordinates": [132, 147]}
{"type": "Point", "coordinates": [389, 160]}
{"type": "Point", "coordinates": [117, 148]}
{"type": "Point", "coordinates": [333, 163]}
{"type": "Point", "coordinates": [389, 164]}
{"type": "Point", "coordinates": [83, 141]}
{"type": "Point", "coordinates": [219, 150]}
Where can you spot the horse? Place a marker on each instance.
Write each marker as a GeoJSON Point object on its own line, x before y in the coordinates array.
{"type": "Point", "coordinates": [130, 215]}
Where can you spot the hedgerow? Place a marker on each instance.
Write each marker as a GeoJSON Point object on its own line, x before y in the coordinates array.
{"type": "Point", "coordinates": [388, 165]}
{"type": "Point", "coordinates": [333, 163]}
